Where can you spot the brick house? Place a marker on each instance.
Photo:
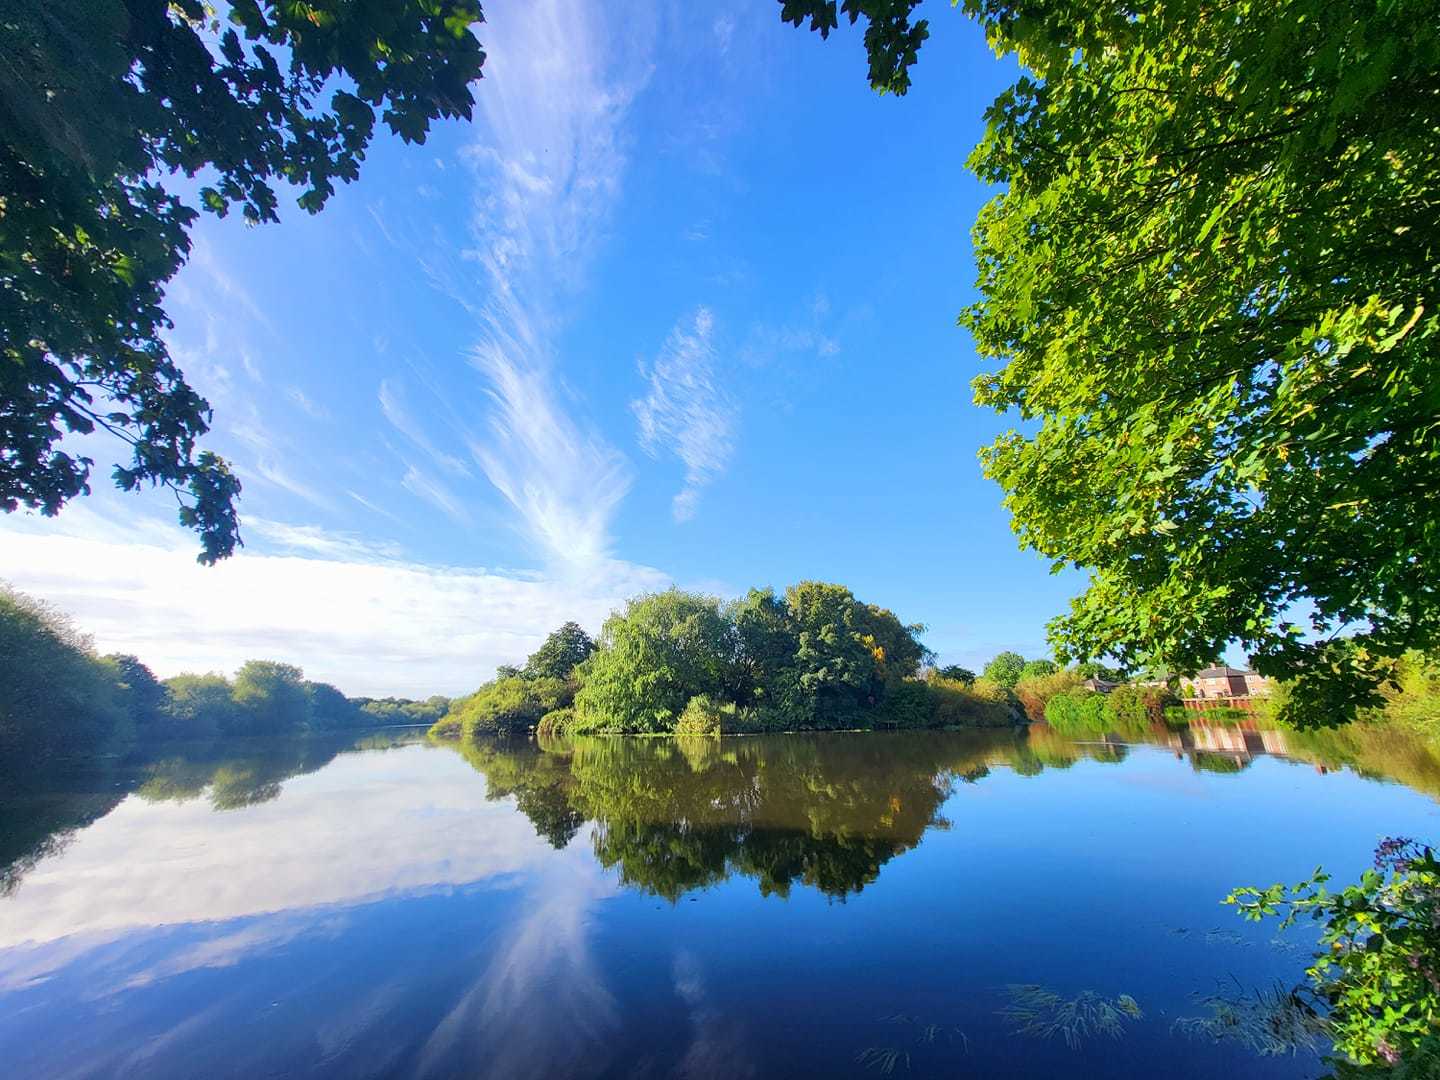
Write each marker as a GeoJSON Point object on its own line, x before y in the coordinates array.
{"type": "Point", "coordinates": [1225, 681]}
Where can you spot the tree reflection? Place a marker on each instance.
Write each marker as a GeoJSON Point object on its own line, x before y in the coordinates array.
{"type": "Point", "coordinates": [675, 815]}
{"type": "Point", "coordinates": [41, 810]}
{"type": "Point", "coordinates": [824, 811]}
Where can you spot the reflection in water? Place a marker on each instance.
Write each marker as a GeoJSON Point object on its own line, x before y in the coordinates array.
{"type": "Point", "coordinates": [828, 811]}
{"type": "Point", "coordinates": [661, 907]}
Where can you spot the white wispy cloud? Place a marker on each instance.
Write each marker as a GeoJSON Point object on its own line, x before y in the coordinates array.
{"type": "Point", "coordinates": [423, 486]}
{"type": "Point", "coordinates": [393, 405]}
{"type": "Point", "coordinates": [547, 165]}
{"type": "Point", "coordinates": [352, 613]}
{"type": "Point", "coordinates": [305, 404]}
{"type": "Point", "coordinates": [685, 410]}
{"type": "Point", "coordinates": [565, 483]}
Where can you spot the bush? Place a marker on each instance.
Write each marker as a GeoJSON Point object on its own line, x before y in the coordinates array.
{"type": "Point", "coordinates": [702, 716]}
{"type": "Point", "coordinates": [1135, 709]}
{"type": "Point", "coordinates": [505, 706]}
{"type": "Point", "coordinates": [982, 703]}
{"type": "Point", "coordinates": [1034, 691]}
{"type": "Point", "coordinates": [555, 723]}
{"type": "Point", "coordinates": [1378, 971]}
{"type": "Point", "coordinates": [1077, 711]}
{"type": "Point", "coordinates": [909, 705]}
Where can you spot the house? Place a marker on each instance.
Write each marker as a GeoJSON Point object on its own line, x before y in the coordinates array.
{"type": "Point", "coordinates": [1226, 682]}
{"type": "Point", "coordinates": [1100, 686]}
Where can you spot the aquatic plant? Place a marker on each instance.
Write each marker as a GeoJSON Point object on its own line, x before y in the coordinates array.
{"type": "Point", "coordinates": [883, 1058]}
{"type": "Point", "coordinates": [1044, 1014]}
{"type": "Point", "coordinates": [1269, 1022]}
{"type": "Point", "coordinates": [1378, 971]}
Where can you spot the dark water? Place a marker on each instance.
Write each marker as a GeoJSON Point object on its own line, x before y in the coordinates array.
{"type": "Point", "coordinates": [841, 905]}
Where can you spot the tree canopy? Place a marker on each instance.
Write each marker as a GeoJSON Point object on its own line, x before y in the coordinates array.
{"type": "Point", "coordinates": [1210, 279]}
{"type": "Point", "coordinates": [562, 652]}
{"type": "Point", "coordinates": [1005, 669]}
{"type": "Point", "coordinates": [100, 103]}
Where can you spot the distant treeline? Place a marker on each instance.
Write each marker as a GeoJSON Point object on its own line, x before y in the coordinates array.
{"type": "Point", "coordinates": [62, 700]}
{"type": "Point", "coordinates": [812, 658]}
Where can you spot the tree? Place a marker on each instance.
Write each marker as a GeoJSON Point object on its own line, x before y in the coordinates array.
{"type": "Point", "coordinates": [99, 103]}
{"type": "Point", "coordinates": [1211, 279]}
{"type": "Point", "coordinates": [767, 640]}
{"type": "Point", "coordinates": [271, 698]}
{"type": "Point", "coordinates": [956, 673]}
{"type": "Point", "coordinates": [891, 40]}
{"type": "Point", "coordinates": [849, 654]}
{"type": "Point", "coordinates": [139, 693]}
{"type": "Point", "coordinates": [1005, 669]}
{"type": "Point", "coordinates": [200, 706]}
{"type": "Point", "coordinates": [329, 709]}
{"type": "Point", "coordinates": [59, 698]}
{"type": "Point", "coordinates": [1035, 669]}
{"type": "Point", "coordinates": [661, 651]}
{"type": "Point", "coordinates": [563, 651]}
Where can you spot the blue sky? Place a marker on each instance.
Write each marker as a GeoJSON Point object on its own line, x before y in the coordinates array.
{"type": "Point", "coordinates": [679, 306]}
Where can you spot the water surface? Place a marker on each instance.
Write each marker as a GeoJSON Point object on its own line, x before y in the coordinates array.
{"type": "Point", "coordinates": [848, 905]}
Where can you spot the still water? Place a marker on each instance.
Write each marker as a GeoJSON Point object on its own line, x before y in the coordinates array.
{"type": "Point", "coordinates": [836, 905]}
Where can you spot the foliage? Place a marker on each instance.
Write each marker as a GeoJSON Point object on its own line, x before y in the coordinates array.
{"type": "Point", "coordinates": [555, 723]}
{"type": "Point", "coordinates": [849, 654]}
{"type": "Point", "coordinates": [141, 695]}
{"type": "Point", "coordinates": [271, 697]}
{"type": "Point", "coordinates": [512, 704]}
{"type": "Point", "coordinates": [702, 716]}
{"type": "Point", "coordinates": [563, 651]}
{"type": "Point", "coordinates": [60, 699]}
{"type": "Point", "coordinates": [402, 710]}
{"type": "Point", "coordinates": [1035, 691]}
{"type": "Point", "coordinates": [1044, 1014]}
{"type": "Point", "coordinates": [98, 104]}
{"type": "Point", "coordinates": [661, 651]}
{"type": "Point", "coordinates": [1266, 1022]}
{"type": "Point", "coordinates": [1035, 669]}
{"type": "Point", "coordinates": [892, 41]}
{"type": "Point", "coordinates": [1378, 971]}
{"type": "Point", "coordinates": [200, 706]}
{"type": "Point", "coordinates": [1412, 696]}
{"type": "Point", "coordinates": [1134, 709]}
{"type": "Point", "coordinates": [978, 703]}
{"type": "Point", "coordinates": [1005, 669]}
{"type": "Point", "coordinates": [1078, 711]}
{"type": "Point", "coordinates": [1210, 276]}
{"type": "Point", "coordinates": [329, 709]}
{"type": "Point", "coordinates": [956, 673]}
{"type": "Point", "coordinates": [1093, 669]}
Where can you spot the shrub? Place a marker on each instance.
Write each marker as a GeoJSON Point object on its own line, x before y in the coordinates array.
{"type": "Point", "coordinates": [1034, 691]}
{"type": "Point", "coordinates": [507, 705]}
{"type": "Point", "coordinates": [1077, 711]}
{"type": "Point", "coordinates": [1378, 971]}
{"type": "Point", "coordinates": [982, 703]}
{"type": "Point", "coordinates": [911, 704]}
{"type": "Point", "coordinates": [702, 716]}
{"type": "Point", "coordinates": [1135, 709]}
{"type": "Point", "coordinates": [555, 723]}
